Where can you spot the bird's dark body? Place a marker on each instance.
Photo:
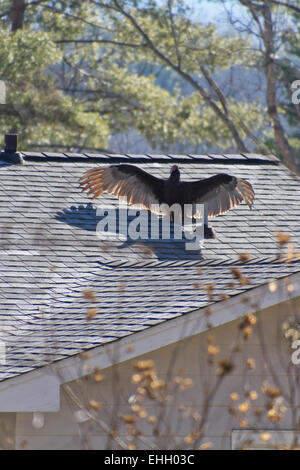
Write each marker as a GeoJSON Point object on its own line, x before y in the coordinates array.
{"type": "Point", "coordinates": [172, 190]}
{"type": "Point", "coordinates": [183, 192]}
{"type": "Point", "coordinates": [218, 193]}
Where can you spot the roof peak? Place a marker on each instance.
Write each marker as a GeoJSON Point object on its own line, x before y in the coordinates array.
{"type": "Point", "coordinates": [10, 154]}
{"type": "Point", "coordinates": [227, 159]}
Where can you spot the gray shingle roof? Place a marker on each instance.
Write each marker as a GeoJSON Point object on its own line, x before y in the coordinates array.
{"type": "Point", "coordinates": [50, 253]}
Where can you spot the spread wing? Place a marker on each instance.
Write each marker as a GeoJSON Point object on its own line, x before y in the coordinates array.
{"type": "Point", "coordinates": [125, 181]}
{"type": "Point", "coordinates": [219, 193]}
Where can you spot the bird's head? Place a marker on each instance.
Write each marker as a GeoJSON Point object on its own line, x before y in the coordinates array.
{"type": "Point", "coordinates": [174, 174]}
{"type": "Point", "coordinates": [174, 168]}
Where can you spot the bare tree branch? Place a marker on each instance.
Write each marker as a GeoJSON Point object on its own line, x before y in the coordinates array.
{"type": "Point", "coordinates": [271, 77]}
{"type": "Point", "coordinates": [215, 87]}
{"type": "Point", "coordinates": [174, 33]}
{"type": "Point", "coordinates": [228, 122]}
{"type": "Point", "coordinates": [99, 41]}
{"type": "Point", "coordinates": [262, 15]}
{"type": "Point", "coordinates": [255, 16]}
{"type": "Point", "coordinates": [286, 5]}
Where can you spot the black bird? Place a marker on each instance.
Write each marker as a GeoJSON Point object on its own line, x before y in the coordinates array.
{"type": "Point", "coordinates": [219, 193]}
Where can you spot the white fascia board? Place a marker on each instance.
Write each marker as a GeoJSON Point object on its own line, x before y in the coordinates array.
{"type": "Point", "coordinates": [38, 390]}
{"type": "Point", "coordinates": [32, 391]}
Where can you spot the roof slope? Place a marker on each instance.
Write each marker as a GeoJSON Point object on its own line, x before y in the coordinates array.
{"type": "Point", "coordinates": [50, 254]}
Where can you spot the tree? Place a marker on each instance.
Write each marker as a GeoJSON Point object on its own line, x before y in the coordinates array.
{"type": "Point", "coordinates": [289, 74]}
{"type": "Point", "coordinates": [35, 106]}
{"type": "Point", "coordinates": [104, 51]}
{"type": "Point", "coordinates": [17, 14]}
{"type": "Point", "coordinates": [273, 25]}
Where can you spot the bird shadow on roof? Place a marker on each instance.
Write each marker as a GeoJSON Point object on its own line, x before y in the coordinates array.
{"type": "Point", "coordinates": [7, 162]}
{"type": "Point", "coordinates": [114, 234]}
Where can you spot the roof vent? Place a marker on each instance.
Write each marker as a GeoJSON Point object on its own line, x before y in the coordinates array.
{"type": "Point", "coordinates": [10, 153]}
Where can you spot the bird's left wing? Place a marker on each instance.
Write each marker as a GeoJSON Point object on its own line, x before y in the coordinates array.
{"type": "Point", "coordinates": [219, 193]}
{"type": "Point", "coordinates": [124, 181]}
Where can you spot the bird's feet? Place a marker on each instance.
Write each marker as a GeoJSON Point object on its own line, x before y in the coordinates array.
{"type": "Point", "coordinates": [208, 232]}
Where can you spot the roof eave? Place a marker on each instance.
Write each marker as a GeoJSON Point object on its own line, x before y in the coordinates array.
{"type": "Point", "coordinates": [39, 390]}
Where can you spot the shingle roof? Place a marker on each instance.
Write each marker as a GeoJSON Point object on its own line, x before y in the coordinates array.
{"type": "Point", "coordinates": [50, 253]}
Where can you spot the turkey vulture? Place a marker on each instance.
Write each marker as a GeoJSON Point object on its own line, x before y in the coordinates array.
{"type": "Point", "coordinates": [219, 193]}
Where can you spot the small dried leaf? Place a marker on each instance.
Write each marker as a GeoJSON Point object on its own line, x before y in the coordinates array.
{"type": "Point", "coordinates": [247, 332]}
{"type": "Point", "coordinates": [136, 378]}
{"type": "Point", "coordinates": [273, 415]}
{"type": "Point", "coordinates": [144, 364]}
{"type": "Point", "coordinates": [191, 437]}
{"type": "Point", "coordinates": [94, 404]}
{"type": "Point", "coordinates": [250, 363]}
{"type": "Point", "coordinates": [206, 446]}
{"type": "Point", "coordinates": [152, 419]}
{"type": "Point", "coordinates": [273, 286]}
{"type": "Point", "coordinates": [209, 339]}
{"type": "Point", "coordinates": [98, 377]}
{"type": "Point", "coordinates": [187, 383]}
{"type": "Point", "coordinates": [91, 313]}
{"type": "Point", "coordinates": [282, 238]}
{"type": "Point", "coordinates": [271, 391]}
{"type": "Point", "coordinates": [237, 273]}
{"type": "Point", "coordinates": [234, 396]}
{"type": "Point", "coordinates": [243, 423]}
{"type": "Point", "coordinates": [225, 366]}
{"type": "Point", "coordinates": [89, 295]}
{"type": "Point", "coordinates": [122, 286]}
{"type": "Point", "coordinates": [244, 407]}
{"type": "Point", "coordinates": [209, 288]}
{"type": "Point", "coordinates": [131, 446]}
{"type": "Point", "coordinates": [129, 419]}
{"type": "Point", "coordinates": [253, 395]}
{"type": "Point", "coordinates": [251, 318]}
{"type": "Point", "coordinates": [265, 436]}
{"type": "Point", "coordinates": [244, 257]}
{"type": "Point", "coordinates": [142, 413]}
{"type": "Point", "coordinates": [157, 384]}
{"type": "Point", "coordinates": [213, 350]}
{"type": "Point", "coordinates": [258, 412]}
{"type": "Point", "coordinates": [224, 297]}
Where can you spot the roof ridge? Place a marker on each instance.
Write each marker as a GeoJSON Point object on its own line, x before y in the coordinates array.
{"type": "Point", "coordinates": [241, 158]}
{"type": "Point", "coordinates": [118, 264]}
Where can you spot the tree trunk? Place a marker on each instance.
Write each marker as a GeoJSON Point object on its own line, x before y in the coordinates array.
{"type": "Point", "coordinates": [279, 134]}
{"type": "Point", "coordinates": [189, 78]}
{"type": "Point", "coordinates": [17, 14]}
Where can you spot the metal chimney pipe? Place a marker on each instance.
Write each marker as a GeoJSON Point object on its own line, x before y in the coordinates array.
{"type": "Point", "coordinates": [10, 153]}
{"type": "Point", "coordinates": [10, 143]}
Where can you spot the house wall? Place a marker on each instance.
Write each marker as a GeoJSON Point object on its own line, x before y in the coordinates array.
{"type": "Point", "coordinates": [171, 417]}
{"type": "Point", "coordinates": [7, 431]}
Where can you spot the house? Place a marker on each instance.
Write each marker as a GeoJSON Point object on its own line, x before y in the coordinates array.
{"type": "Point", "coordinates": [117, 343]}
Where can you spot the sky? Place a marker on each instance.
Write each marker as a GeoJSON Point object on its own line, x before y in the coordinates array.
{"type": "Point", "coordinates": [212, 11]}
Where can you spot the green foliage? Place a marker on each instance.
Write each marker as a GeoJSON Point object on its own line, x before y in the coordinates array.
{"type": "Point", "coordinates": [35, 107]}
{"type": "Point", "coordinates": [289, 72]}
{"type": "Point", "coordinates": [25, 52]}
{"type": "Point", "coordinates": [77, 94]}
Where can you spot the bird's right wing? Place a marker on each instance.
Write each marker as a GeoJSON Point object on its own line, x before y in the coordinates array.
{"type": "Point", "coordinates": [219, 193]}
{"type": "Point", "coordinates": [125, 181]}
